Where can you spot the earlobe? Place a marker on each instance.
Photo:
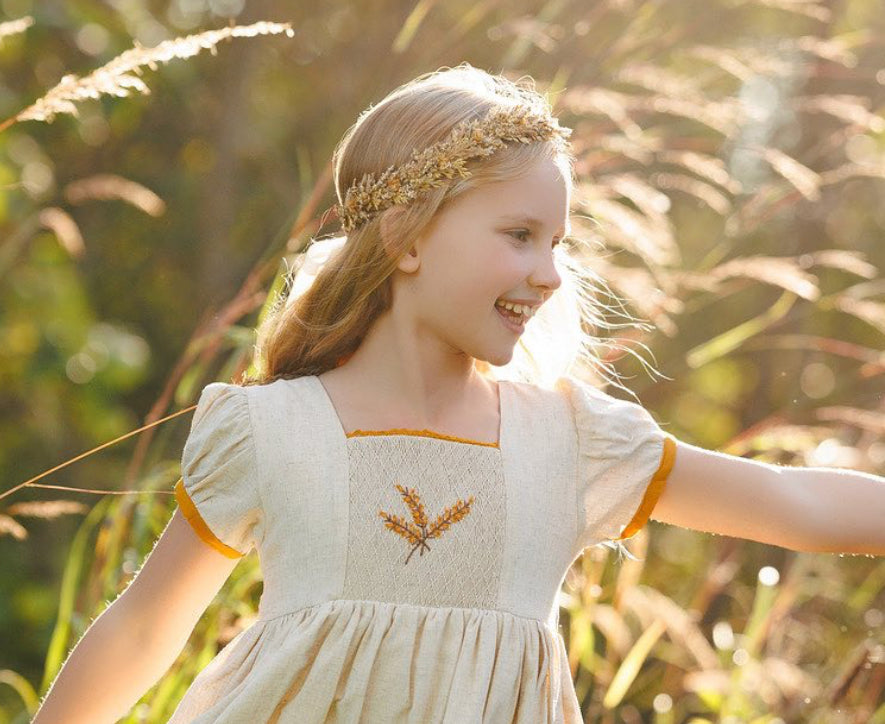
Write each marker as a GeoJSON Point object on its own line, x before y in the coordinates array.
{"type": "Point", "coordinates": [409, 262]}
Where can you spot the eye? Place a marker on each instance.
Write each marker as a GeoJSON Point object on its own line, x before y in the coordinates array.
{"type": "Point", "coordinates": [521, 233]}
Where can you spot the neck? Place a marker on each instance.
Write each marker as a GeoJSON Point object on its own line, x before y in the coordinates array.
{"type": "Point", "coordinates": [415, 370]}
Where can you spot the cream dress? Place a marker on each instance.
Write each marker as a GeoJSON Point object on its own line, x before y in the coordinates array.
{"type": "Point", "coordinates": [409, 576]}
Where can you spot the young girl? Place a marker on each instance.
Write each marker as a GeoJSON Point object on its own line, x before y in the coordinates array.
{"type": "Point", "coordinates": [418, 459]}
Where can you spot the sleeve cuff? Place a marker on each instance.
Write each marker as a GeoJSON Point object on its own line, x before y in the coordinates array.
{"type": "Point", "coordinates": [190, 512]}
{"type": "Point", "coordinates": [653, 491]}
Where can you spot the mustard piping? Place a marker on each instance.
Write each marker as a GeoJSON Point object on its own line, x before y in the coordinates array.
{"type": "Point", "coordinates": [653, 491]}
{"type": "Point", "coordinates": [190, 512]}
{"type": "Point", "coordinates": [419, 433]}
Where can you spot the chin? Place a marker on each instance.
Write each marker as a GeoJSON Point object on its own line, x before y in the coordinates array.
{"type": "Point", "coordinates": [498, 360]}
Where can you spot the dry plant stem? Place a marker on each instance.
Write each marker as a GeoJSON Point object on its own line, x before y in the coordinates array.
{"type": "Point", "coordinates": [422, 544]}
{"type": "Point", "coordinates": [32, 483]}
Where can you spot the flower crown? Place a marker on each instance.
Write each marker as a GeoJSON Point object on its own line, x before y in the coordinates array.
{"type": "Point", "coordinates": [430, 167]}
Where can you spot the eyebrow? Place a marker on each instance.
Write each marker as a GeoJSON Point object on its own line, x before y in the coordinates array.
{"type": "Point", "coordinates": [532, 221]}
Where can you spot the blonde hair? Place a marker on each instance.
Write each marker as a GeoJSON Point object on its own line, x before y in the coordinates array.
{"type": "Point", "coordinates": [325, 311]}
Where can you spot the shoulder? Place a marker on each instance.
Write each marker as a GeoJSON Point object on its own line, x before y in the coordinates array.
{"type": "Point", "coordinates": [564, 391]}
{"type": "Point", "coordinates": [585, 404]}
{"type": "Point", "coordinates": [541, 406]}
{"type": "Point", "coordinates": [582, 395]}
{"type": "Point", "coordinates": [220, 401]}
{"type": "Point", "coordinates": [293, 406]}
{"type": "Point", "coordinates": [530, 391]}
{"type": "Point", "coordinates": [261, 395]}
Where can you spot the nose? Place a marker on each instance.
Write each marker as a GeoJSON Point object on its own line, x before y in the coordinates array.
{"type": "Point", "coordinates": [545, 274]}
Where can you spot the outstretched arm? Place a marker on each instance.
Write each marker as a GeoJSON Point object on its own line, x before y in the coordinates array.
{"type": "Point", "coordinates": [135, 640]}
{"type": "Point", "coordinates": [817, 510]}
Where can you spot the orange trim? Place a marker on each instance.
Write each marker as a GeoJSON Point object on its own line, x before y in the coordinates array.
{"type": "Point", "coordinates": [190, 512]}
{"type": "Point", "coordinates": [419, 433]}
{"type": "Point", "coordinates": [653, 491]}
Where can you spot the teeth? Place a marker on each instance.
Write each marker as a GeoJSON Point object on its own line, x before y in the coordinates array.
{"type": "Point", "coordinates": [518, 308]}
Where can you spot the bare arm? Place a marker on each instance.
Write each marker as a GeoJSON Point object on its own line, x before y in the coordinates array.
{"type": "Point", "coordinates": [816, 510]}
{"type": "Point", "coordinates": [135, 640]}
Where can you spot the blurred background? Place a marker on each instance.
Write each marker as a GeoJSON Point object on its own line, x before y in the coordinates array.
{"type": "Point", "coordinates": [731, 159]}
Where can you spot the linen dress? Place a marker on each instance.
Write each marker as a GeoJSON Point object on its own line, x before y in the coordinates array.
{"type": "Point", "coordinates": [409, 576]}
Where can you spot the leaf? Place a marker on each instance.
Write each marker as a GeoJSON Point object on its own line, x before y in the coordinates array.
{"type": "Point", "coordinates": [660, 80]}
{"type": "Point", "coordinates": [860, 418]}
{"type": "Point", "coordinates": [733, 338]}
{"type": "Point", "coordinates": [851, 170]}
{"type": "Point", "coordinates": [611, 104]}
{"type": "Point", "coordinates": [410, 26]}
{"type": "Point", "coordinates": [782, 272]}
{"type": "Point", "coordinates": [834, 48]}
{"type": "Point", "coordinates": [648, 238]}
{"type": "Point", "coordinates": [10, 526]}
{"type": "Point", "coordinates": [808, 8]}
{"type": "Point", "coordinates": [872, 313]}
{"type": "Point", "coordinates": [848, 108]}
{"type": "Point", "coordinates": [629, 668]}
{"type": "Point", "coordinates": [682, 629]}
{"type": "Point", "coordinates": [60, 223]}
{"type": "Point", "coordinates": [791, 680]}
{"type": "Point", "coordinates": [112, 186]}
{"type": "Point", "coordinates": [712, 197]}
{"type": "Point", "coordinates": [724, 115]}
{"type": "Point", "coordinates": [803, 179]}
{"type": "Point", "coordinates": [709, 167]}
{"type": "Point", "coordinates": [850, 261]}
{"type": "Point", "coordinates": [613, 628]}
{"type": "Point", "coordinates": [46, 509]}
{"type": "Point", "coordinates": [13, 27]}
{"type": "Point", "coordinates": [650, 201]}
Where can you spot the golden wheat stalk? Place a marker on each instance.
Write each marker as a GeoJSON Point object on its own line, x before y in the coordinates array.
{"type": "Point", "coordinates": [120, 76]}
{"type": "Point", "coordinates": [401, 527]}
{"type": "Point", "coordinates": [416, 507]}
{"type": "Point", "coordinates": [417, 534]}
{"type": "Point", "coordinates": [451, 515]}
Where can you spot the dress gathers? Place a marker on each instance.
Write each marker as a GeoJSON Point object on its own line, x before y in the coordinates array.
{"type": "Point", "coordinates": [409, 576]}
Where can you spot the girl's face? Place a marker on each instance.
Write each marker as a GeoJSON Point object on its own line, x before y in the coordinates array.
{"type": "Point", "coordinates": [491, 243]}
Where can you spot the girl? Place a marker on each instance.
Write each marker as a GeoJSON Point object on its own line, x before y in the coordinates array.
{"type": "Point", "coordinates": [416, 457]}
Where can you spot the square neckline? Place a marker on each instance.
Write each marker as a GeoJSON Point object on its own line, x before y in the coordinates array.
{"type": "Point", "coordinates": [425, 433]}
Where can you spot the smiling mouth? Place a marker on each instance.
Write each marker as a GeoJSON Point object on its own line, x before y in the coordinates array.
{"type": "Point", "coordinates": [514, 322]}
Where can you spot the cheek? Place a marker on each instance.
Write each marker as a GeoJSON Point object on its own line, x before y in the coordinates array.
{"type": "Point", "coordinates": [478, 274]}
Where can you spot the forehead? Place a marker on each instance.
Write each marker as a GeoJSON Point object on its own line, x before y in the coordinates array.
{"type": "Point", "coordinates": [538, 198]}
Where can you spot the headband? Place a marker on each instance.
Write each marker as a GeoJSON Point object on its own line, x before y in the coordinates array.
{"type": "Point", "coordinates": [432, 166]}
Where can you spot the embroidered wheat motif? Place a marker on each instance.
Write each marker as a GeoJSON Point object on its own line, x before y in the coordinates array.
{"type": "Point", "coordinates": [417, 531]}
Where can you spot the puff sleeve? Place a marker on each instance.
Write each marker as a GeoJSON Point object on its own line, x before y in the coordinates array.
{"type": "Point", "coordinates": [624, 458]}
{"type": "Point", "coordinates": [218, 490]}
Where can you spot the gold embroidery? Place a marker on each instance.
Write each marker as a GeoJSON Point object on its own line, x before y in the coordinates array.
{"type": "Point", "coordinates": [417, 532]}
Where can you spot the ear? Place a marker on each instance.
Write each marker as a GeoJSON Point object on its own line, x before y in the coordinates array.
{"type": "Point", "coordinates": [408, 263]}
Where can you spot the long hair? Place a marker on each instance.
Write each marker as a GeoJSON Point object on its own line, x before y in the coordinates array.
{"type": "Point", "coordinates": [325, 310]}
